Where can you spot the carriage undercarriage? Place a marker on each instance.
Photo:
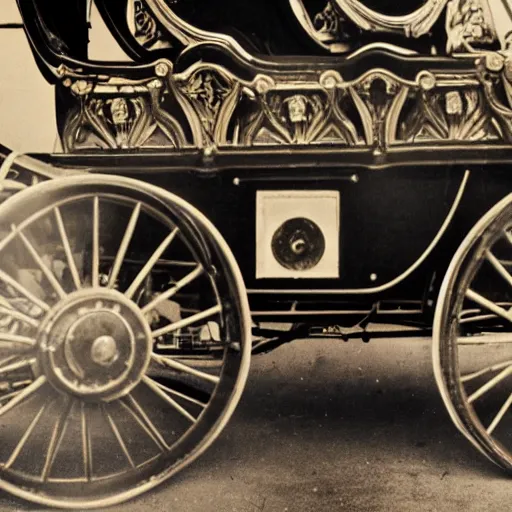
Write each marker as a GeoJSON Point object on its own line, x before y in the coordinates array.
{"type": "Point", "coordinates": [216, 205]}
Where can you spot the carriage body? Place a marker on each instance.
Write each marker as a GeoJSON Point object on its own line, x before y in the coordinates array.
{"type": "Point", "coordinates": [344, 152]}
{"type": "Point", "coordinates": [389, 133]}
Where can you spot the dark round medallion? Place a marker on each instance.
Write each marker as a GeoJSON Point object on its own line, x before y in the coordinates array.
{"type": "Point", "coordinates": [95, 346]}
{"type": "Point", "coordinates": [298, 244]}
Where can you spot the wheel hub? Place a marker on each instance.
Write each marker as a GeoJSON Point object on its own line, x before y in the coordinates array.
{"type": "Point", "coordinates": [95, 345]}
{"type": "Point", "coordinates": [104, 350]}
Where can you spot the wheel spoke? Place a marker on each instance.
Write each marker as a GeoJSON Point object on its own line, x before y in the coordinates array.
{"type": "Point", "coordinates": [121, 253]}
{"type": "Point", "coordinates": [16, 366]}
{"type": "Point", "coordinates": [140, 416]}
{"type": "Point", "coordinates": [23, 394]}
{"type": "Point", "coordinates": [67, 249]}
{"type": "Point", "coordinates": [86, 442]}
{"type": "Point", "coordinates": [181, 324]}
{"type": "Point", "coordinates": [25, 437]}
{"type": "Point", "coordinates": [50, 276]}
{"type": "Point", "coordinates": [8, 339]}
{"type": "Point", "coordinates": [178, 394]}
{"type": "Point", "coordinates": [7, 279]}
{"type": "Point", "coordinates": [508, 236]}
{"type": "Point", "coordinates": [172, 291]}
{"type": "Point", "coordinates": [490, 339]}
{"type": "Point", "coordinates": [8, 396]}
{"type": "Point", "coordinates": [491, 384]}
{"type": "Point", "coordinates": [91, 429]}
{"type": "Point", "coordinates": [169, 400]}
{"type": "Point", "coordinates": [56, 439]}
{"type": "Point", "coordinates": [18, 315]}
{"type": "Point", "coordinates": [141, 276]}
{"type": "Point", "coordinates": [486, 303]}
{"type": "Point", "coordinates": [180, 367]}
{"type": "Point", "coordinates": [95, 276]}
{"type": "Point", "coordinates": [489, 369]}
{"type": "Point", "coordinates": [499, 416]}
{"type": "Point", "coordinates": [476, 318]}
{"type": "Point", "coordinates": [498, 266]}
{"type": "Point", "coordinates": [118, 436]}
{"type": "Point", "coordinates": [8, 359]}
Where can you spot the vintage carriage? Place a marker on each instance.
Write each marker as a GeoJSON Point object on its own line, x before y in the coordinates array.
{"type": "Point", "coordinates": [258, 172]}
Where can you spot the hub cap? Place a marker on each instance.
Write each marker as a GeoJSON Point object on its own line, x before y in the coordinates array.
{"type": "Point", "coordinates": [96, 345]}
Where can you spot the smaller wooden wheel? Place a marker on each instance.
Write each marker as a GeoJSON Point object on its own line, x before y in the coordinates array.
{"type": "Point", "coordinates": [124, 339]}
{"type": "Point", "coordinates": [472, 350]}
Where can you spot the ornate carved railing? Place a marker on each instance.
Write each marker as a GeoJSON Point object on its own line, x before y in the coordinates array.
{"type": "Point", "coordinates": [207, 106]}
{"type": "Point", "coordinates": [357, 101]}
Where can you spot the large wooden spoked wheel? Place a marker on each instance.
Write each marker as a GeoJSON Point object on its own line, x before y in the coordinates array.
{"type": "Point", "coordinates": [472, 350]}
{"type": "Point", "coordinates": [95, 272]}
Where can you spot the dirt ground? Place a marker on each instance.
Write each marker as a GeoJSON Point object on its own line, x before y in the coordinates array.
{"type": "Point", "coordinates": [326, 426]}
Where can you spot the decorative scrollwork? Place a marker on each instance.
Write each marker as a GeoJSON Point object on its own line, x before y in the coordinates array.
{"type": "Point", "coordinates": [187, 34]}
{"type": "Point", "coordinates": [336, 12]}
{"type": "Point", "coordinates": [495, 73]}
{"type": "Point", "coordinates": [379, 97]}
{"type": "Point", "coordinates": [327, 24]}
{"type": "Point", "coordinates": [144, 27]}
{"type": "Point", "coordinates": [330, 27]}
{"type": "Point", "coordinates": [208, 107]}
{"type": "Point", "coordinates": [415, 24]}
{"type": "Point", "coordinates": [468, 22]}
{"type": "Point", "coordinates": [291, 115]}
{"type": "Point", "coordinates": [123, 118]}
{"type": "Point", "coordinates": [210, 98]}
{"type": "Point", "coordinates": [450, 115]}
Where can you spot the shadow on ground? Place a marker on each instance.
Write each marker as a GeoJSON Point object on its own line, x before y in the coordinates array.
{"type": "Point", "coordinates": [325, 426]}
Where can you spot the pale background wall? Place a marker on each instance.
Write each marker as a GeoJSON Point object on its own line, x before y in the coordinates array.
{"type": "Point", "coordinates": [26, 100]}
{"type": "Point", "coordinates": [27, 120]}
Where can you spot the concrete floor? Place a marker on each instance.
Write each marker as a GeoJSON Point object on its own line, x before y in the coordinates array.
{"type": "Point", "coordinates": [326, 426]}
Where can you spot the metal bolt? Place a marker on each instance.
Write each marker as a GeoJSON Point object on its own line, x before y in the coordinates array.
{"type": "Point", "coordinates": [494, 62]}
{"type": "Point", "coordinates": [161, 69]}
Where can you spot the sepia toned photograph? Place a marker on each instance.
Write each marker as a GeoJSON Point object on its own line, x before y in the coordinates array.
{"type": "Point", "coordinates": [255, 255]}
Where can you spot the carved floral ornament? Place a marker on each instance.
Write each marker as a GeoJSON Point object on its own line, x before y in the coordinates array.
{"type": "Point", "coordinates": [206, 107]}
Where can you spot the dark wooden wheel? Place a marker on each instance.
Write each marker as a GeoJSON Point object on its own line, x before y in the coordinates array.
{"type": "Point", "coordinates": [124, 339]}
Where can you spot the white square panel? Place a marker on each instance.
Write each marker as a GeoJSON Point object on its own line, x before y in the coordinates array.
{"type": "Point", "coordinates": [303, 226]}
